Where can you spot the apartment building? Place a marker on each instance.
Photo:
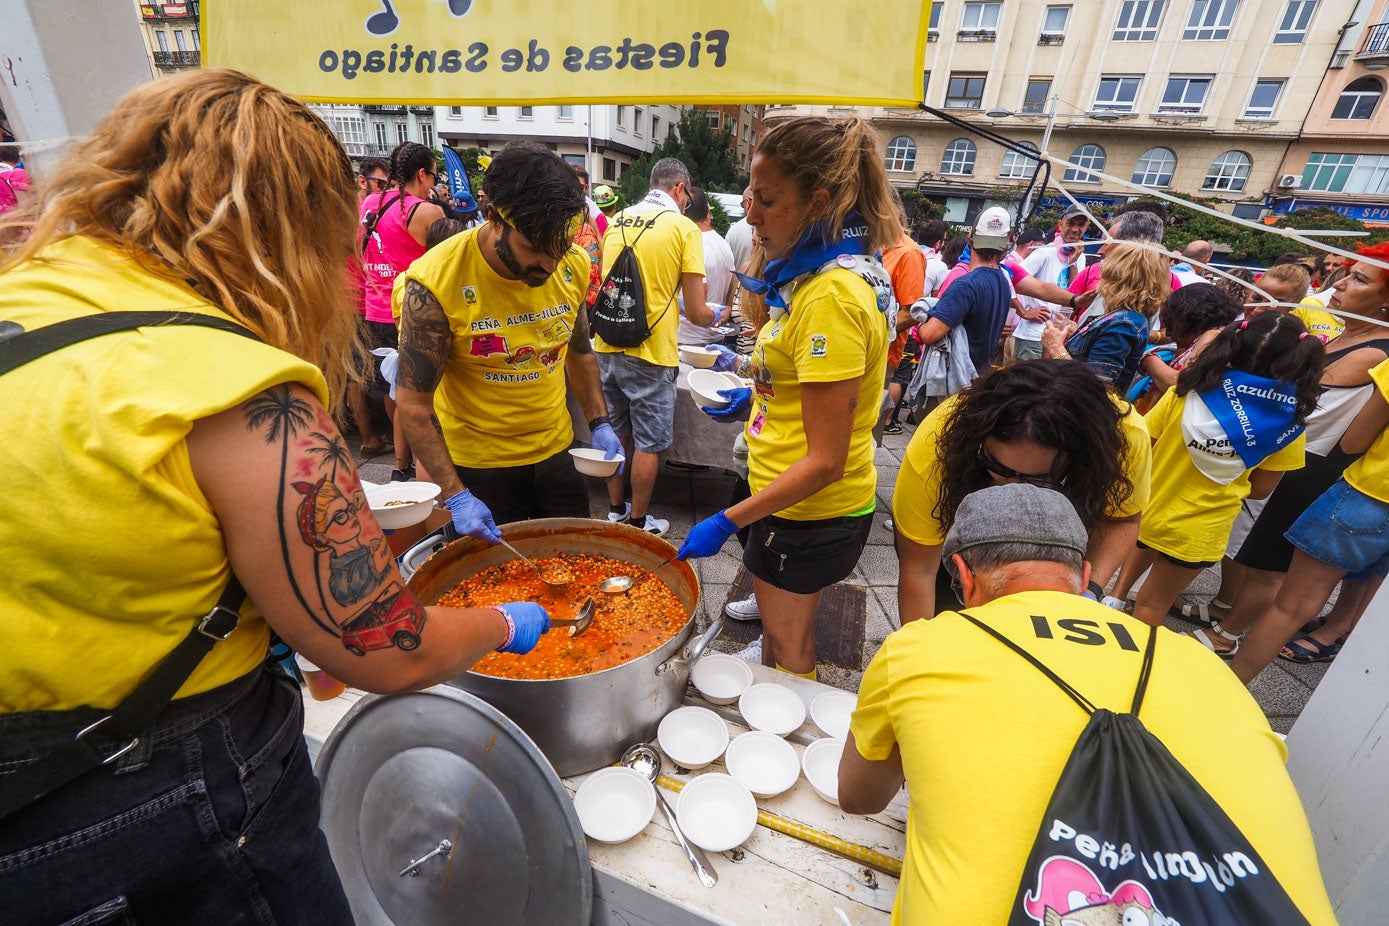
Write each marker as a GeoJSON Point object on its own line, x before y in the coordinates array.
{"type": "Point", "coordinates": [744, 124]}
{"type": "Point", "coordinates": [605, 139]}
{"type": "Point", "coordinates": [171, 35]}
{"type": "Point", "coordinates": [1341, 160]}
{"type": "Point", "coordinates": [1201, 97]}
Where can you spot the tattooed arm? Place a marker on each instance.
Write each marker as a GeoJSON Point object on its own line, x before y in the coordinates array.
{"type": "Point", "coordinates": [581, 369]}
{"type": "Point", "coordinates": [425, 341]}
{"type": "Point", "coordinates": [303, 542]}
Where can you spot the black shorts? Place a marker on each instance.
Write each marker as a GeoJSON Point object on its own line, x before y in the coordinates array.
{"type": "Point", "coordinates": [1265, 547]}
{"type": "Point", "coordinates": [906, 369]}
{"type": "Point", "coordinates": [379, 334]}
{"type": "Point", "coordinates": [552, 488]}
{"type": "Point", "coordinates": [1176, 562]}
{"type": "Point", "coordinates": [805, 557]}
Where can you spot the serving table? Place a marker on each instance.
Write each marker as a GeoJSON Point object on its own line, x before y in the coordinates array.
{"type": "Point", "coordinates": [771, 879]}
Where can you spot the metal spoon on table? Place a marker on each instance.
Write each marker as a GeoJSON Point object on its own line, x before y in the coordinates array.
{"type": "Point", "coordinates": [647, 761]}
{"type": "Point", "coordinates": [554, 587]}
{"type": "Point", "coordinates": [617, 585]}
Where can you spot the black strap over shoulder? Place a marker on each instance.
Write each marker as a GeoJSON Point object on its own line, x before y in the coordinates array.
{"type": "Point", "coordinates": [22, 347]}
{"type": "Point", "coordinates": [1144, 674]}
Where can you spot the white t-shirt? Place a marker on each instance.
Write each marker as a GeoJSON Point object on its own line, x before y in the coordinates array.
{"type": "Point", "coordinates": [718, 272]}
{"type": "Point", "coordinates": [1046, 264]}
{"type": "Point", "coordinates": [739, 241]}
{"type": "Point", "coordinates": [1187, 277]}
{"type": "Point", "coordinates": [935, 272]}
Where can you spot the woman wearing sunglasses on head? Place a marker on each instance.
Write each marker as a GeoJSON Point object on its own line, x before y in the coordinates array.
{"type": "Point", "coordinates": [1050, 423]}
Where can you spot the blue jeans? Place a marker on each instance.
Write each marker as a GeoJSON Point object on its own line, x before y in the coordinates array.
{"type": "Point", "coordinates": [1347, 529]}
{"type": "Point", "coordinates": [213, 818]}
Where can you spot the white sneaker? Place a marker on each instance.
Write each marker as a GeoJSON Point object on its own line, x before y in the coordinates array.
{"type": "Point", "coordinates": [615, 518]}
{"type": "Point", "coordinates": [657, 526]}
{"type": "Point", "coordinates": [751, 653]}
{"type": "Point", "coordinates": [745, 610]}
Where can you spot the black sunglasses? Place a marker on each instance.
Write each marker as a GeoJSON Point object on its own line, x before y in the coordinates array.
{"type": "Point", "coordinates": [998, 469]}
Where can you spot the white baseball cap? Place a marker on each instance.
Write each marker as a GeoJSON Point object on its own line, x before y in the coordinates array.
{"type": "Point", "coordinates": [993, 228]}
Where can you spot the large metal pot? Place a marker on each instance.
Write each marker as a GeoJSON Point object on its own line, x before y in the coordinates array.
{"type": "Point", "coordinates": [585, 722]}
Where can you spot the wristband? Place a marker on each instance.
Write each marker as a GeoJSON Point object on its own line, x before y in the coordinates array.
{"type": "Point", "coordinates": [1074, 297]}
{"type": "Point", "coordinates": [600, 420]}
{"type": "Point", "coordinates": [510, 627]}
{"type": "Point", "coordinates": [1095, 589]}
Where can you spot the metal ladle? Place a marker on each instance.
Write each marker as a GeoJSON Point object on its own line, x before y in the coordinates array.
{"type": "Point", "coordinates": [554, 587]}
{"type": "Point", "coordinates": [617, 585]}
{"type": "Point", "coordinates": [647, 761]}
{"type": "Point", "coordinates": [581, 620]}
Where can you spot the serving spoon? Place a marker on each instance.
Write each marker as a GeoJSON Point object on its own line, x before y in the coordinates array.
{"type": "Point", "coordinates": [617, 585]}
{"type": "Point", "coordinates": [581, 620]}
{"type": "Point", "coordinates": [554, 587]}
{"type": "Point", "coordinates": [647, 761]}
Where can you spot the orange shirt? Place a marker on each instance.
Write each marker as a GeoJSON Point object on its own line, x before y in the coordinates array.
{"type": "Point", "coordinates": [906, 265]}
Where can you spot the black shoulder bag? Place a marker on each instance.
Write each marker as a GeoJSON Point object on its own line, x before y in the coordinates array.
{"type": "Point", "coordinates": [134, 715]}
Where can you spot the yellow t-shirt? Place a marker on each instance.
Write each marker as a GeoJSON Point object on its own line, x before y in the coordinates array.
{"type": "Point", "coordinates": [502, 399]}
{"type": "Point", "coordinates": [1317, 321]}
{"type": "Point", "coordinates": [111, 550]}
{"type": "Point", "coordinates": [1370, 473]}
{"type": "Point", "coordinates": [670, 248]}
{"type": "Point", "coordinates": [984, 736]}
{"type": "Point", "coordinates": [833, 332]}
{"type": "Point", "coordinates": [918, 482]}
{"type": "Point", "coordinates": [1190, 516]}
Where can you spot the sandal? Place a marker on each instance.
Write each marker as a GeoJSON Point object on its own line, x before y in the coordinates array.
{"type": "Point", "coordinates": [380, 448]}
{"type": "Point", "coordinates": [1305, 650]}
{"type": "Point", "coordinates": [1203, 613]}
{"type": "Point", "coordinates": [1207, 639]}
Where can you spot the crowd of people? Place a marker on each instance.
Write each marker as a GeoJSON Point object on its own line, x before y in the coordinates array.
{"type": "Point", "coordinates": [1085, 425]}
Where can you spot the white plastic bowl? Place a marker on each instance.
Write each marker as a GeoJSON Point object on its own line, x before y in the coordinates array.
{"type": "Point", "coordinates": [418, 496]}
{"type": "Point", "coordinates": [699, 357]}
{"type": "Point", "coordinates": [820, 762]}
{"type": "Point", "coordinates": [692, 736]}
{"type": "Point", "coordinates": [615, 804]}
{"type": "Point", "coordinates": [705, 385]}
{"type": "Point", "coordinates": [721, 678]}
{"type": "Point", "coordinates": [762, 762]}
{"type": "Point", "coordinates": [735, 381]}
{"type": "Point", "coordinates": [716, 812]}
{"type": "Point", "coordinates": [591, 463]}
{"type": "Point", "coordinates": [831, 712]}
{"type": "Point", "coordinates": [773, 708]}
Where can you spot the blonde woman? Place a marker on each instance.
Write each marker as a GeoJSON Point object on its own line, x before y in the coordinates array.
{"type": "Point", "coordinates": [190, 458]}
{"type": "Point", "coordinates": [1134, 283]}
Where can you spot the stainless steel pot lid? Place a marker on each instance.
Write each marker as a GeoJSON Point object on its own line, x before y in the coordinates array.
{"type": "Point", "coordinates": [405, 774]}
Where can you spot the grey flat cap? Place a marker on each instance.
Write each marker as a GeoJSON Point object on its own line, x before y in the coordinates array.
{"type": "Point", "coordinates": [1016, 513]}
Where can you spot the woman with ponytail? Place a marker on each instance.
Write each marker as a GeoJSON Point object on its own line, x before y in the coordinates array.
{"type": "Point", "coordinates": [821, 207]}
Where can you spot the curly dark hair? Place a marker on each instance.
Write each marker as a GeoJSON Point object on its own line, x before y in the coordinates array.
{"type": "Point", "coordinates": [1197, 308]}
{"type": "Point", "coordinates": [1056, 403]}
{"type": "Point", "coordinates": [1272, 344]}
{"type": "Point", "coordinates": [533, 190]}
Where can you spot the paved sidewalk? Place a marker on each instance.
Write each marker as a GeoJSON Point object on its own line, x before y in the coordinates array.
{"type": "Point", "coordinates": [687, 496]}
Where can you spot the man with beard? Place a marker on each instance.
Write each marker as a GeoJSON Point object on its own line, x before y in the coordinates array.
{"type": "Point", "coordinates": [491, 321]}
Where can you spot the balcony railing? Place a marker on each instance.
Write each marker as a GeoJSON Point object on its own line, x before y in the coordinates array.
{"type": "Point", "coordinates": [177, 59]}
{"type": "Point", "coordinates": [1376, 43]}
{"type": "Point", "coordinates": [170, 12]}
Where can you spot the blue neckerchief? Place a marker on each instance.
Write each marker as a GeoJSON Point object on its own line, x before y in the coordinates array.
{"type": "Point", "coordinates": [809, 254]}
{"type": "Point", "coordinates": [1256, 413]}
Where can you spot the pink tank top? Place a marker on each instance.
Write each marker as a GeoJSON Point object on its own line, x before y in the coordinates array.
{"type": "Point", "coordinates": [389, 251]}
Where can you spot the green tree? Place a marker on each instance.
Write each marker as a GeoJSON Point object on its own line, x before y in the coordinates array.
{"type": "Point", "coordinates": [719, 216]}
{"type": "Point", "coordinates": [707, 152]}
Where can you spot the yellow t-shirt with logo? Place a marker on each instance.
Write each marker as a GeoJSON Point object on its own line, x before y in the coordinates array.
{"type": "Point", "coordinates": [670, 248]}
{"type": "Point", "coordinates": [984, 736]}
{"type": "Point", "coordinates": [919, 480]}
{"type": "Point", "coordinates": [833, 332]}
{"type": "Point", "coordinates": [1190, 516]}
{"type": "Point", "coordinates": [1370, 473]}
{"type": "Point", "coordinates": [111, 550]}
{"type": "Point", "coordinates": [502, 399]}
{"type": "Point", "coordinates": [1317, 320]}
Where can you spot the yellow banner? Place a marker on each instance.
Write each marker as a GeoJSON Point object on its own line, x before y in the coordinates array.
{"type": "Point", "coordinates": [563, 51]}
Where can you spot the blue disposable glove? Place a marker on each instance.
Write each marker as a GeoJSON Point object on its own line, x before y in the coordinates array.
{"type": "Point", "coordinates": [739, 401]}
{"type": "Point", "coordinates": [728, 359]}
{"type": "Point", "coordinates": [471, 517]}
{"type": "Point", "coordinates": [525, 622]}
{"type": "Point", "coordinates": [604, 438]}
{"type": "Point", "coordinates": [707, 537]}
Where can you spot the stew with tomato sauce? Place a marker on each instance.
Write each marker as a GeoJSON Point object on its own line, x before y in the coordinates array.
{"type": "Point", "coordinates": [624, 627]}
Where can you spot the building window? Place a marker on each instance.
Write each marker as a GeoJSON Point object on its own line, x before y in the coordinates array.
{"type": "Point", "coordinates": [455, 110]}
{"type": "Point", "coordinates": [489, 112]}
{"type": "Point", "coordinates": [1359, 99]}
{"type": "Point", "coordinates": [566, 112]}
{"type": "Point", "coordinates": [925, 83]}
{"type": "Point", "coordinates": [427, 134]}
{"type": "Point", "coordinates": [959, 157]}
{"type": "Point", "coordinates": [1035, 98]}
{"type": "Point", "coordinates": [525, 112]}
{"type": "Point", "coordinates": [1210, 19]}
{"type": "Point", "coordinates": [1018, 166]}
{"type": "Point", "coordinates": [1054, 23]}
{"type": "Point", "coordinates": [901, 154]}
{"type": "Point", "coordinates": [1138, 20]}
{"type": "Point", "coordinates": [934, 25]}
{"type": "Point", "coordinates": [966, 91]}
{"type": "Point", "coordinates": [402, 132]}
{"type": "Point", "coordinates": [162, 38]}
{"type": "Point", "coordinates": [1117, 93]}
{"type": "Point", "coordinates": [1347, 173]}
{"type": "Point", "coordinates": [1155, 167]}
{"type": "Point", "coordinates": [609, 169]}
{"type": "Point", "coordinates": [381, 136]}
{"type": "Point", "coordinates": [180, 40]}
{"type": "Point", "coordinates": [1086, 156]}
{"type": "Point", "coordinates": [713, 118]}
{"type": "Point", "coordinates": [197, 43]}
{"type": "Point", "coordinates": [622, 117]}
{"type": "Point", "coordinates": [1185, 94]}
{"type": "Point", "coordinates": [1297, 16]}
{"type": "Point", "coordinates": [1228, 172]}
{"type": "Point", "coordinates": [637, 121]}
{"type": "Point", "coordinates": [655, 128]}
{"type": "Point", "coordinates": [980, 17]}
{"type": "Point", "coordinates": [1263, 99]}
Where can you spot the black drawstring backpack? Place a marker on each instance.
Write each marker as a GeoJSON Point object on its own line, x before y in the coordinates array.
{"type": "Point", "coordinates": [1130, 837]}
{"type": "Point", "coordinates": [618, 315]}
